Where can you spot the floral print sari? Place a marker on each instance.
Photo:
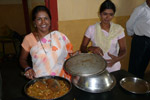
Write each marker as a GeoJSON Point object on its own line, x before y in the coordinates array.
{"type": "Point", "coordinates": [48, 54]}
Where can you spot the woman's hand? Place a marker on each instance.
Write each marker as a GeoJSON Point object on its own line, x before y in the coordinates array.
{"type": "Point", "coordinates": [30, 74]}
{"type": "Point", "coordinates": [96, 50]}
{"type": "Point", "coordinates": [112, 61]}
{"type": "Point", "coordinates": [75, 53]}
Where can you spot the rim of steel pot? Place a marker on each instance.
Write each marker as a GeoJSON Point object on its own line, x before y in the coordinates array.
{"type": "Point", "coordinates": [85, 64]}
{"type": "Point", "coordinates": [47, 77]}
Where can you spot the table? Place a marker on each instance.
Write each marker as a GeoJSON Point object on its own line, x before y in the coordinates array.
{"type": "Point", "coordinates": [117, 93]}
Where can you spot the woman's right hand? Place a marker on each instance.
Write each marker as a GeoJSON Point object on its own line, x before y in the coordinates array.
{"type": "Point", "coordinates": [96, 50]}
{"type": "Point", "coordinates": [75, 53]}
{"type": "Point", "coordinates": [30, 74]}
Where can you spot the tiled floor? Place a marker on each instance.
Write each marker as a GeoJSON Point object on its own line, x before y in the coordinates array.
{"type": "Point", "coordinates": [13, 81]}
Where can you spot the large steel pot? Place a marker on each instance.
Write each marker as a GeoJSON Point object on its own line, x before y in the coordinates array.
{"type": "Point", "coordinates": [89, 73]}
{"type": "Point", "coordinates": [68, 83]}
{"type": "Point", "coordinates": [96, 83]}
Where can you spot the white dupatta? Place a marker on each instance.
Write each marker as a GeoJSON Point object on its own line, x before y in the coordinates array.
{"type": "Point", "coordinates": [104, 42]}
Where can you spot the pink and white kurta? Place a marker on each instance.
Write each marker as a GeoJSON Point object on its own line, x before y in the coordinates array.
{"type": "Point", "coordinates": [113, 49]}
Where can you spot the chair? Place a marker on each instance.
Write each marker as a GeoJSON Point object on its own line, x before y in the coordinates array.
{"type": "Point", "coordinates": [4, 40]}
{"type": "Point", "coordinates": [10, 37]}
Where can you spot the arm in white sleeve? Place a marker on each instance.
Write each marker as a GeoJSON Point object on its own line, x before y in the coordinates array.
{"type": "Point", "coordinates": [131, 22]}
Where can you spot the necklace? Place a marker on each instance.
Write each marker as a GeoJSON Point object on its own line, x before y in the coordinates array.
{"type": "Point", "coordinates": [42, 44]}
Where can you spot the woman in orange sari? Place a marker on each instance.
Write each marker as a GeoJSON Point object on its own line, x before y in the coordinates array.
{"type": "Point", "coordinates": [48, 49]}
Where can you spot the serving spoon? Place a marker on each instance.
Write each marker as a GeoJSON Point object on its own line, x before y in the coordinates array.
{"type": "Point", "coordinates": [52, 84]}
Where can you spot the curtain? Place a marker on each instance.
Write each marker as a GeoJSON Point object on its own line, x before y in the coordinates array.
{"type": "Point", "coordinates": [52, 6]}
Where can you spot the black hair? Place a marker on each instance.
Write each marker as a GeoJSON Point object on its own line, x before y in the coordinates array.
{"type": "Point", "coordinates": [40, 8]}
{"type": "Point", "coordinates": [107, 4]}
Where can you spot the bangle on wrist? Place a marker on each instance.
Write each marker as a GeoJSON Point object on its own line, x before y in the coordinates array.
{"type": "Point", "coordinates": [27, 68]}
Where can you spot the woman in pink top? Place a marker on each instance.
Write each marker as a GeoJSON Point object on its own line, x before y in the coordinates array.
{"type": "Point", "coordinates": [48, 49]}
{"type": "Point", "coordinates": [108, 38]}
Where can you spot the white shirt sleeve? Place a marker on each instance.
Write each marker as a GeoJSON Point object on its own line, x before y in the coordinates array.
{"type": "Point", "coordinates": [122, 35]}
{"type": "Point", "coordinates": [131, 22]}
{"type": "Point", "coordinates": [90, 32]}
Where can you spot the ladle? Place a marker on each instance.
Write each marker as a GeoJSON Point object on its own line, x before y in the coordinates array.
{"type": "Point", "coordinates": [52, 84]}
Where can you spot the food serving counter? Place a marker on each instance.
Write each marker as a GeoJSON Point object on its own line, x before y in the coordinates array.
{"type": "Point", "coordinates": [117, 93]}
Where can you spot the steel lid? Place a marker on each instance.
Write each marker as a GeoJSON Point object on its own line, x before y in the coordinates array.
{"type": "Point", "coordinates": [85, 64]}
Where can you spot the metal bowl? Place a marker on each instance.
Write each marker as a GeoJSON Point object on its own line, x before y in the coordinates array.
{"type": "Point", "coordinates": [67, 82]}
{"type": "Point", "coordinates": [135, 85]}
{"type": "Point", "coordinates": [96, 83]}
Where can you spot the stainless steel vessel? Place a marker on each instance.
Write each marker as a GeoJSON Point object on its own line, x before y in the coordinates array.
{"type": "Point", "coordinates": [135, 85]}
{"type": "Point", "coordinates": [31, 82]}
{"type": "Point", "coordinates": [85, 64]}
{"type": "Point", "coordinates": [89, 73]}
{"type": "Point", "coordinates": [96, 84]}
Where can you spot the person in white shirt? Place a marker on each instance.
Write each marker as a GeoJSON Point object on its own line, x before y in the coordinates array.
{"type": "Point", "coordinates": [138, 27]}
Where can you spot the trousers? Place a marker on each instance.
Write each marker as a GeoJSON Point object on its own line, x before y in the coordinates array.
{"type": "Point", "coordinates": [139, 55]}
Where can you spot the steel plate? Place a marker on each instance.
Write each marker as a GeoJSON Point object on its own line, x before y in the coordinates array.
{"type": "Point", "coordinates": [135, 85]}
{"type": "Point", "coordinates": [85, 64]}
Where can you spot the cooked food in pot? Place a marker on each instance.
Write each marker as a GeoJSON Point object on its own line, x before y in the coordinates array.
{"type": "Point", "coordinates": [41, 90]}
